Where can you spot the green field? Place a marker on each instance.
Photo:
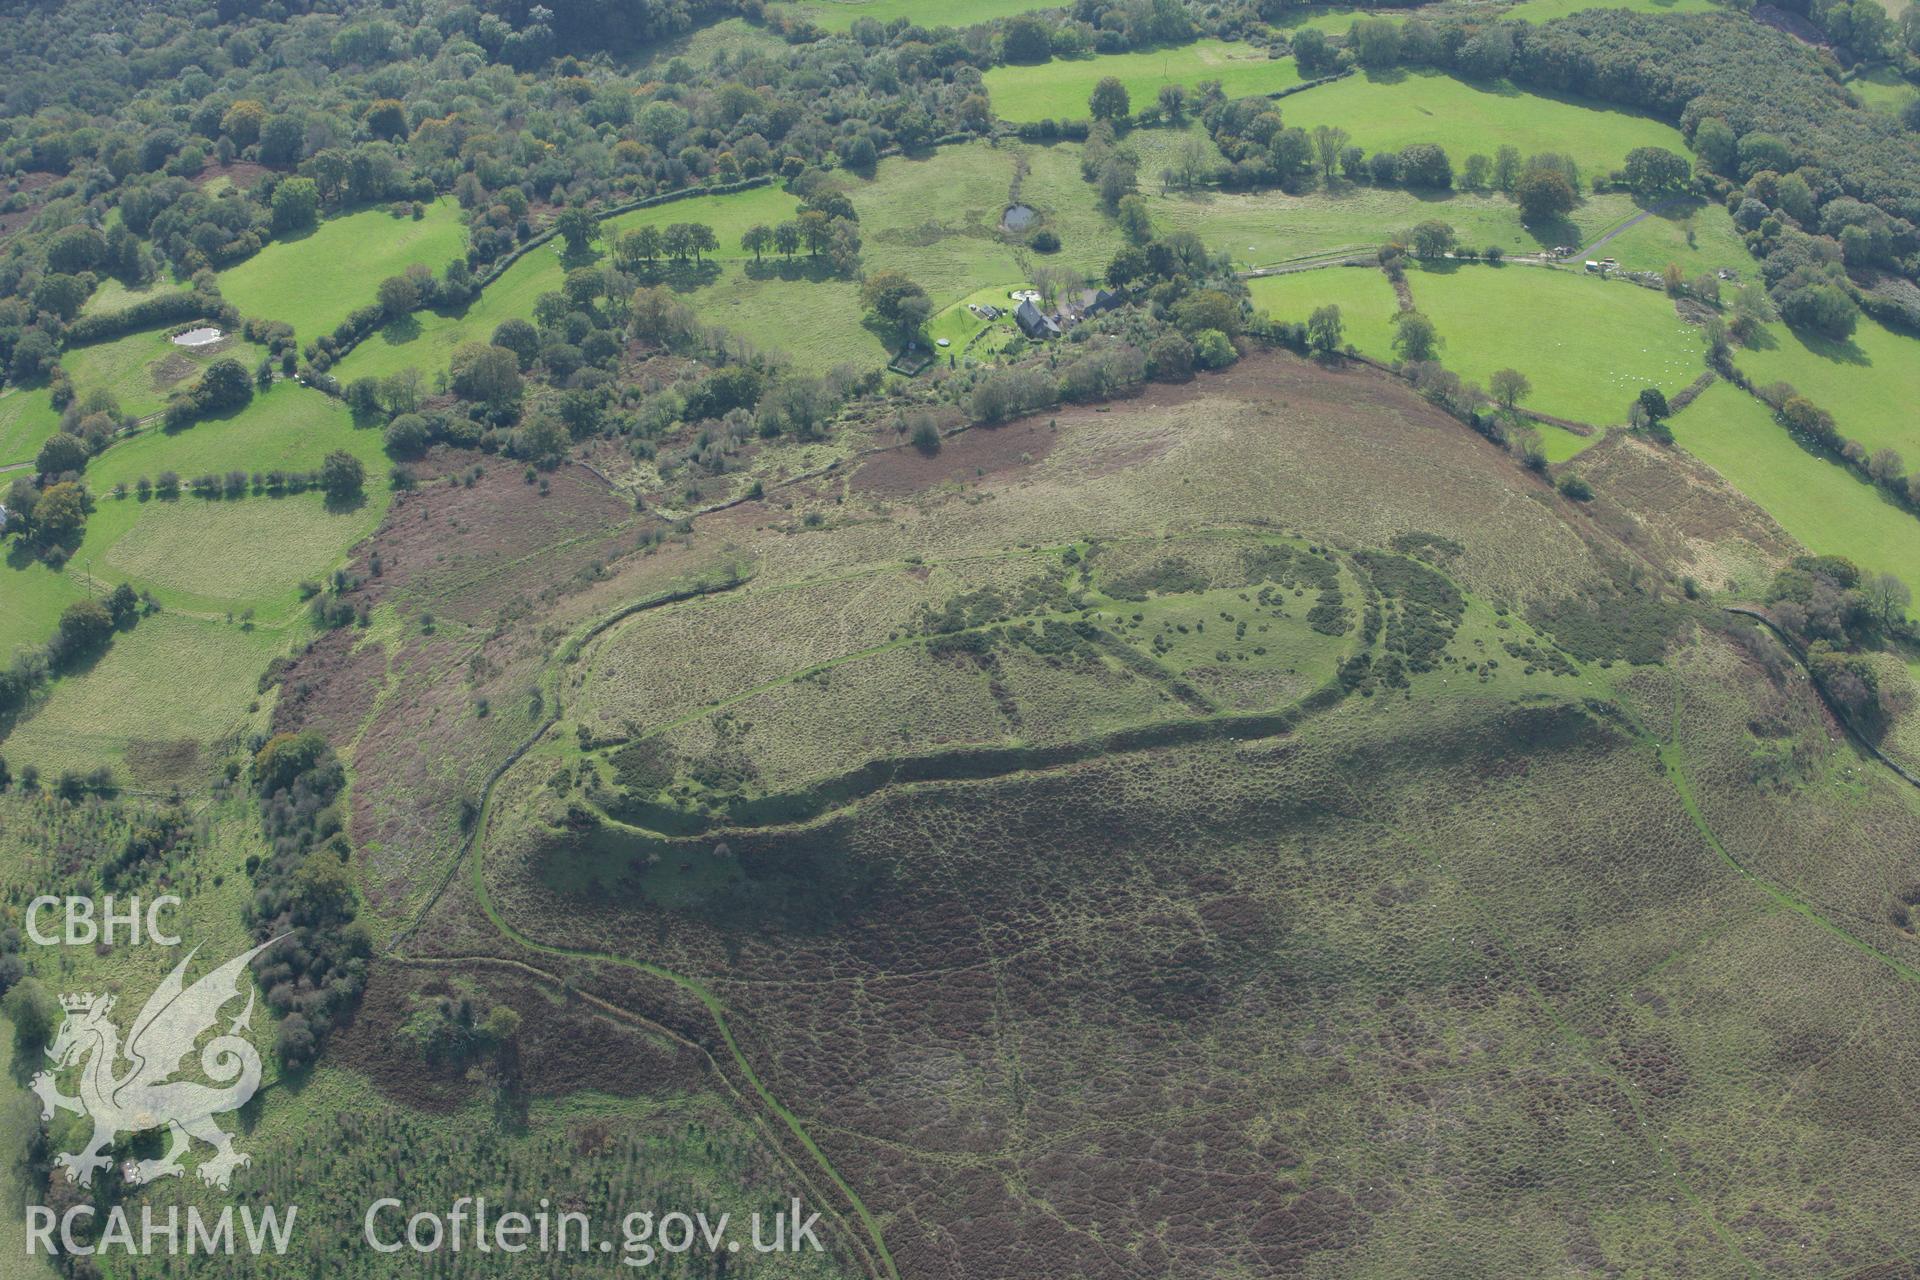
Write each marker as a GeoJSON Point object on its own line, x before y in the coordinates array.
{"type": "Point", "coordinates": [288, 428]}
{"type": "Point", "coordinates": [729, 215]}
{"type": "Point", "coordinates": [1333, 20]}
{"type": "Point", "coordinates": [145, 688]}
{"type": "Point", "coordinates": [838, 15]}
{"type": "Point", "coordinates": [31, 598]}
{"type": "Point", "coordinates": [1059, 89]}
{"type": "Point", "coordinates": [936, 219]}
{"type": "Point", "coordinates": [1265, 228]}
{"type": "Point", "coordinates": [112, 296]}
{"type": "Point", "coordinates": [1660, 238]}
{"type": "Point", "coordinates": [1548, 10]}
{"type": "Point", "coordinates": [1822, 504]}
{"type": "Point", "coordinates": [201, 556]}
{"type": "Point", "coordinates": [1882, 88]}
{"type": "Point", "coordinates": [313, 282]}
{"type": "Point", "coordinates": [141, 370]}
{"type": "Point", "coordinates": [1389, 111]}
{"type": "Point", "coordinates": [1363, 294]}
{"type": "Point", "coordinates": [27, 418]}
{"type": "Point", "coordinates": [1588, 346]}
{"type": "Point", "coordinates": [1870, 384]}
{"type": "Point", "coordinates": [428, 339]}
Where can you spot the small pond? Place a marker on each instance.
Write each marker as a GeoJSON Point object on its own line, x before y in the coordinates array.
{"type": "Point", "coordinates": [205, 335]}
{"type": "Point", "coordinates": [1018, 217]}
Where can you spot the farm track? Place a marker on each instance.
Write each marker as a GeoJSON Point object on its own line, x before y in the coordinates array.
{"type": "Point", "coordinates": [1628, 224]}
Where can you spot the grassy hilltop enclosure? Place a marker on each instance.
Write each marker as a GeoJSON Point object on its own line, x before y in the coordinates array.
{"type": "Point", "coordinates": [1118, 640]}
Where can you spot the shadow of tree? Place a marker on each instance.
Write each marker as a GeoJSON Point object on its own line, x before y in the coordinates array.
{"type": "Point", "coordinates": [402, 330]}
{"type": "Point", "coordinates": [682, 276]}
{"type": "Point", "coordinates": [813, 270]}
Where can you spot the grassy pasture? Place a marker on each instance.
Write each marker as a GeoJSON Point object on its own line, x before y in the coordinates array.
{"type": "Point", "coordinates": [1587, 345]}
{"type": "Point", "coordinates": [170, 677]}
{"type": "Point", "coordinates": [1870, 384]}
{"type": "Point", "coordinates": [938, 219]}
{"type": "Point", "coordinates": [1060, 89]}
{"type": "Point", "coordinates": [31, 598]}
{"type": "Point", "coordinates": [1820, 503]}
{"type": "Point", "coordinates": [112, 295]}
{"type": "Point", "coordinates": [141, 370]}
{"type": "Point", "coordinates": [288, 428]}
{"type": "Point", "coordinates": [1389, 111]}
{"type": "Point", "coordinates": [729, 215]}
{"type": "Point", "coordinates": [313, 282]}
{"type": "Point", "coordinates": [1363, 294]}
{"type": "Point", "coordinates": [1333, 20]}
{"type": "Point", "coordinates": [202, 556]}
{"type": "Point", "coordinates": [27, 418]}
{"type": "Point", "coordinates": [1660, 238]}
{"type": "Point", "coordinates": [1264, 228]}
{"type": "Point", "coordinates": [1883, 89]}
{"type": "Point", "coordinates": [1548, 10]}
{"type": "Point", "coordinates": [814, 323]}
{"type": "Point", "coordinates": [218, 556]}
{"type": "Point", "coordinates": [426, 341]}
{"type": "Point", "coordinates": [839, 15]}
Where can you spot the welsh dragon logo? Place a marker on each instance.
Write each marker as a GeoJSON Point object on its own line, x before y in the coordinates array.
{"type": "Point", "coordinates": [144, 1096]}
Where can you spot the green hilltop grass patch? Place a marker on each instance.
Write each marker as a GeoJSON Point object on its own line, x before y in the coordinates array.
{"type": "Point", "coordinates": [427, 340]}
{"type": "Point", "coordinates": [1395, 109]}
{"type": "Point", "coordinates": [112, 295]}
{"type": "Point", "coordinates": [1588, 346]}
{"type": "Point", "coordinates": [315, 281]}
{"type": "Point", "coordinates": [814, 323]}
{"type": "Point", "coordinates": [141, 370]}
{"type": "Point", "coordinates": [1059, 89]}
{"type": "Point", "coordinates": [1870, 383]}
{"type": "Point", "coordinates": [1823, 505]}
